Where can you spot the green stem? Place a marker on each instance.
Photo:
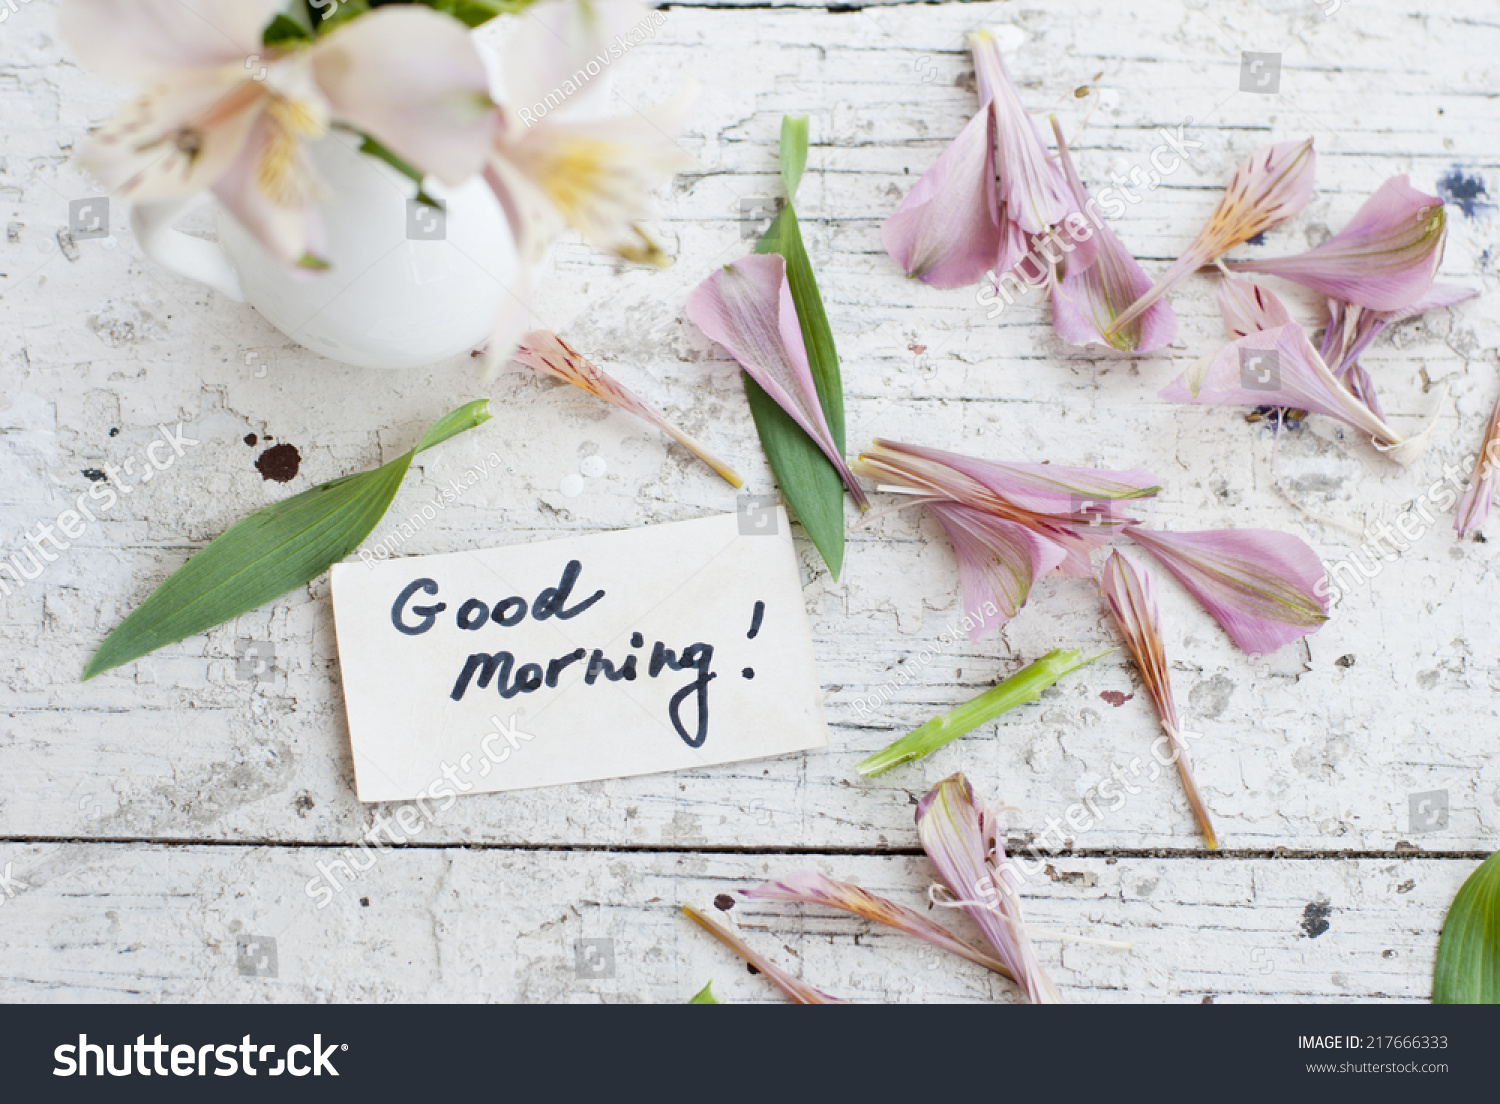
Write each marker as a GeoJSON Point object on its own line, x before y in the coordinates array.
{"type": "Point", "coordinates": [1026, 685]}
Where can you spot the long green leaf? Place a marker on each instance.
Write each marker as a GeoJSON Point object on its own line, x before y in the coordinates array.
{"type": "Point", "coordinates": [705, 996]}
{"type": "Point", "coordinates": [1468, 959]}
{"type": "Point", "coordinates": [808, 481]}
{"type": "Point", "coordinates": [1026, 685]}
{"type": "Point", "coordinates": [272, 551]}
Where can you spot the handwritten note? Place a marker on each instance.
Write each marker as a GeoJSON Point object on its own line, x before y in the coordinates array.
{"type": "Point", "coordinates": [656, 649]}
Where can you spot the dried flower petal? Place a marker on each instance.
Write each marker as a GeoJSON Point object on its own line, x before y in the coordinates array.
{"type": "Point", "coordinates": [796, 989]}
{"type": "Point", "coordinates": [811, 888]}
{"type": "Point", "coordinates": [1264, 588]}
{"type": "Point", "coordinates": [1474, 507]}
{"type": "Point", "coordinates": [946, 232]}
{"type": "Point", "coordinates": [998, 561]}
{"type": "Point", "coordinates": [962, 842]}
{"type": "Point", "coordinates": [1131, 594]}
{"type": "Point", "coordinates": [1384, 259]}
{"type": "Point", "coordinates": [747, 308]}
{"type": "Point", "coordinates": [1248, 308]}
{"type": "Point", "coordinates": [1272, 185]}
{"type": "Point", "coordinates": [545, 352]}
{"type": "Point", "coordinates": [1031, 187]}
{"type": "Point", "coordinates": [1088, 299]}
{"type": "Point", "coordinates": [1078, 508]}
{"type": "Point", "coordinates": [1279, 367]}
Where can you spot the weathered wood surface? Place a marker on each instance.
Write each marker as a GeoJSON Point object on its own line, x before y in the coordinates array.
{"type": "Point", "coordinates": [1317, 750]}
{"type": "Point", "coordinates": [140, 922]}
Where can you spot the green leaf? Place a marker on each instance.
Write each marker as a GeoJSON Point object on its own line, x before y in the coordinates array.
{"type": "Point", "coordinates": [285, 28]}
{"type": "Point", "coordinates": [1026, 685]}
{"type": "Point", "coordinates": [405, 168]}
{"type": "Point", "coordinates": [705, 996]}
{"type": "Point", "coordinates": [329, 14]}
{"type": "Point", "coordinates": [272, 551]}
{"type": "Point", "coordinates": [809, 482]}
{"type": "Point", "coordinates": [475, 12]}
{"type": "Point", "coordinates": [793, 153]}
{"type": "Point", "coordinates": [1468, 959]}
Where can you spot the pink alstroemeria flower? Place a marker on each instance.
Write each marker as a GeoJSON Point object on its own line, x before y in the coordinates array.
{"type": "Point", "coordinates": [1271, 186]}
{"type": "Point", "coordinates": [747, 308]}
{"type": "Point", "coordinates": [1131, 593]}
{"type": "Point", "coordinates": [224, 112]}
{"type": "Point", "coordinates": [1263, 587]}
{"type": "Point", "coordinates": [1009, 523]}
{"type": "Point", "coordinates": [1088, 299]}
{"type": "Point", "coordinates": [1279, 367]}
{"type": "Point", "coordinates": [556, 163]}
{"type": "Point", "coordinates": [1385, 259]}
{"type": "Point", "coordinates": [963, 842]}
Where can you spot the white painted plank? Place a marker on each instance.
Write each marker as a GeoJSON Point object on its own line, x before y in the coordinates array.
{"type": "Point", "coordinates": [147, 923]}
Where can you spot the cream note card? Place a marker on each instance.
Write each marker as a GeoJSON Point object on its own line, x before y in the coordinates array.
{"type": "Point", "coordinates": [656, 649]}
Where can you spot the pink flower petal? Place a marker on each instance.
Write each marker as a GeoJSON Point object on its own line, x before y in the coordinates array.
{"type": "Point", "coordinates": [1078, 509]}
{"type": "Point", "coordinates": [997, 561]}
{"type": "Point", "coordinates": [797, 990]}
{"type": "Point", "coordinates": [962, 843]}
{"type": "Point", "coordinates": [1031, 186]}
{"type": "Point", "coordinates": [811, 888]}
{"type": "Point", "coordinates": [545, 352]}
{"type": "Point", "coordinates": [1264, 588]}
{"type": "Point", "coordinates": [288, 226]}
{"type": "Point", "coordinates": [1088, 299]}
{"type": "Point", "coordinates": [946, 232]}
{"type": "Point", "coordinates": [411, 78]}
{"type": "Point", "coordinates": [1281, 368]}
{"type": "Point", "coordinates": [149, 40]}
{"type": "Point", "coordinates": [1384, 259]}
{"type": "Point", "coordinates": [1272, 185]}
{"type": "Point", "coordinates": [1247, 308]}
{"type": "Point", "coordinates": [747, 308]}
{"type": "Point", "coordinates": [1131, 594]}
{"type": "Point", "coordinates": [1474, 507]}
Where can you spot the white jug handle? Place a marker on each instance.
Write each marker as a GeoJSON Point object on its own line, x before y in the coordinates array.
{"type": "Point", "coordinates": [181, 253]}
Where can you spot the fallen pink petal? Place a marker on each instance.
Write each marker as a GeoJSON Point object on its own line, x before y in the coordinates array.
{"type": "Point", "coordinates": [747, 308]}
{"type": "Point", "coordinates": [1385, 259]}
{"type": "Point", "coordinates": [1479, 495]}
{"type": "Point", "coordinates": [811, 888]}
{"type": "Point", "coordinates": [797, 990]}
{"type": "Point", "coordinates": [1264, 588]}
{"type": "Point", "coordinates": [963, 843]}
{"type": "Point", "coordinates": [545, 352]}
{"type": "Point", "coordinates": [946, 232]}
{"type": "Point", "coordinates": [1268, 188]}
{"type": "Point", "coordinates": [1279, 367]}
{"type": "Point", "coordinates": [1130, 592]}
{"type": "Point", "coordinates": [1089, 298]}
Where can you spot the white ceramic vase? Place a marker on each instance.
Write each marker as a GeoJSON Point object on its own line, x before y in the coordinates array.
{"type": "Point", "coordinates": [407, 286]}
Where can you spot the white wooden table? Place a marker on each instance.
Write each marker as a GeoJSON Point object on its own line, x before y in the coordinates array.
{"type": "Point", "coordinates": [164, 814]}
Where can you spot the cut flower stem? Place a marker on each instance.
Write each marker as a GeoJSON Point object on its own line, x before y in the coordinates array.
{"type": "Point", "coordinates": [1026, 685]}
